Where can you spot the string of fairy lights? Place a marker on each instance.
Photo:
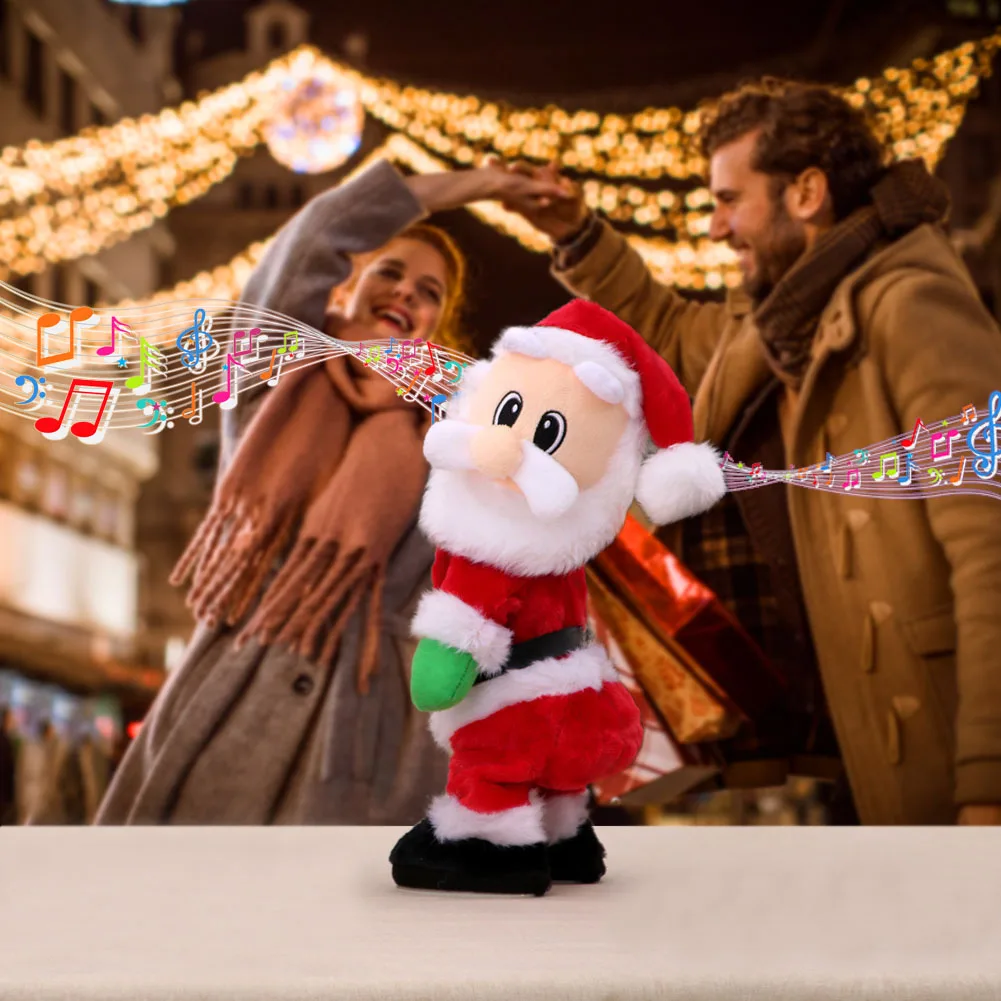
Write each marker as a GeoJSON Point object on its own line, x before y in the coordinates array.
{"type": "Point", "coordinates": [74, 197]}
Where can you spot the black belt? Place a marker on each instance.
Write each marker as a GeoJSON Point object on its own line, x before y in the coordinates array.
{"type": "Point", "coordinates": [555, 644]}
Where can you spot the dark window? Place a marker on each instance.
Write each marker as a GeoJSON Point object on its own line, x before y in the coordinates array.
{"type": "Point", "coordinates": [59, 283]}
{"type": "Point", "coordinates": [4, 36]}
{"type": "Point", "coordinates": [271, 196]}
{"type": "Point", "coordinates": [165, 272]}
{"type": "Point", "coordinates": [97, 116]}
{"type": "Point", "coordinates": [34, 75]}
{"type": "Point", "coordinates": [245, 196]}
{"type": "Point", "coordinates": [67, 102]}
{"type": "Point", "coordinates": [298, 195]}
{"type": "Point", "coordinates": [276, 35]}
{"type": "Point", "coordinates": [134, 23]}
{"type": "Point", "coordinates": [91, 293]}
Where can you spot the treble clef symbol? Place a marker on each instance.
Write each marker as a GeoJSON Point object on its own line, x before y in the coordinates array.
{"type": "Point", "coordinates": [986, 464]}
{"type": "Point", "coordinates": [195, 341]}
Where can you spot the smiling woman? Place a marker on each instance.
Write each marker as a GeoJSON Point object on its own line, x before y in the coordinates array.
{"type": "Point", "coordinates": [291, 703]}
{"type": "Point", "coordinates": [412, 287]}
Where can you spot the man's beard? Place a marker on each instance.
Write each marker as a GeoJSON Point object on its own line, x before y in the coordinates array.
{"type": "Point", "coordinates": [783, 247]}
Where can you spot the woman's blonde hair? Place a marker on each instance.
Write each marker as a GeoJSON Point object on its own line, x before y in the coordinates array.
{"type": "Point", "coordinates": [448, 332]}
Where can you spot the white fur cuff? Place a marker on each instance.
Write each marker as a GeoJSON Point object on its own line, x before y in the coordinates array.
{"type": "Point", "coordinates": [444, 617]}
{"type": "Point", "coordinates": [680, 481]}
{"type": "Point", "coordinates": [521, 825]}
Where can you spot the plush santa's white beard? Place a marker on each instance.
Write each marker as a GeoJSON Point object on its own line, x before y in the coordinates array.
{"type": "Point", "coordinates": [474, 516]}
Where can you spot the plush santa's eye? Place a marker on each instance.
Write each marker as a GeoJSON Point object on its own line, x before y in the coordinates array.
{"type": "Point", "coordinates": [550, 431]}
{"type": "Point", "coordinates": [509, 409]}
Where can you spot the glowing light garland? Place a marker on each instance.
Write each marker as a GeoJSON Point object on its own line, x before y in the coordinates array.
{"type": "Point", "coordinates": [74, 197]}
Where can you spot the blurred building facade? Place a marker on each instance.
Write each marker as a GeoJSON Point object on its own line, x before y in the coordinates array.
{"type": "Point", "coordinates": [250, 205]}
{"type": "Point", "coordinates": [70, 576]}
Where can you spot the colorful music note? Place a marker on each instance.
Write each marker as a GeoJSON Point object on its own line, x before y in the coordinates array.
{"type": "Point", "coordinates": [194, 413]}
{"type": "Point", "coordinates": [957, 481]}
{"type": "Point", "coordinates": [727, 458]}
{"type": "Point", "coordinates": [35, 394]}
{"type": "Point", "coordinates": [828, 464]}
{"type": "Point", "coordinates": [151, 363]}
{"type": "Point", "coordinates": [267, 375]}
{"type": "Point", "coordinates": [105, 350]}
{"type": "Point", "coordinates": [756, 472]}
{"type": "Point", "coordinates": [969, 413]}
{"type": "Point", "coordinates": [854, 480]}
{"type": "Point", "coordinates": [913, 440]}
{"type": "Point", "coordinates": [411, 394]}
{"type": "Point", "coordinates": [158, 411]}
{"type": "Point", "coordinates": [273, 381]}
{"type": "Point", "coordinates": [861, 456]}
{"type": "Point", "coordinates": [884, 459]}
{"type": "Point", "coordinates": [227, 398]}
{"type": "Point", "coordinates": [285, 349]}
{"type": "Point", "coordinates": [52, 323]}
{"type": "Point", "coordinates": [904, 480]}
{"type": "Point", "coordinates": [937, 437]}
{"type": "Point", "coordinates": [195, 343]}
{"type": "Point", "coordinates": [935, 475]}
{"type": "Point", "coordinates": [459, 366]}
{"type": "Point", "coordinates": [400, 391]}
{"type": "Point", "coordinates": [90, 432]}
{"type": "Point", "coordinates": [433, 367]}
{"type": "Point", "coordinates": [436, 404]}
{"type": "Point", "coordinates": [237, 336]}
{"type": "Point", "coordinates": [986, 463]}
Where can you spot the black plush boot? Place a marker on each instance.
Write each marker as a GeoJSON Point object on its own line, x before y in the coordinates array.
{"type": "Point", "coordinates": [579, 859]}
{"type": "Point", "coordinates": [422, 862]}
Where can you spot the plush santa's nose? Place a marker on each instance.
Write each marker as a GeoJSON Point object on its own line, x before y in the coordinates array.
{"type": "Point", "coordinates": [496, 451]}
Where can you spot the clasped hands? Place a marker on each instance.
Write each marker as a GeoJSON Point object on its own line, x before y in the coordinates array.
{"type": "Point", "coordinates": [552, 203]}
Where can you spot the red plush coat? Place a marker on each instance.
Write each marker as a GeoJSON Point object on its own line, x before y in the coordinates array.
{"type": "Point", "coordinates": [555, 726]}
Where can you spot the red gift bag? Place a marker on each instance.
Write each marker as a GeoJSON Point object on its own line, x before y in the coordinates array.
{"type": "Point", "coordinates": [663, 769]}
{"type": "Point", "coordinates": [679, 614]}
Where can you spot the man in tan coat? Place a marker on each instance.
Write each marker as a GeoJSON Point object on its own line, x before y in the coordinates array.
{"type": "Point", "coordinates": [856, 318]}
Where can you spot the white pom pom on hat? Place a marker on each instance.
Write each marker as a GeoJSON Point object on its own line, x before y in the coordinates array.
{"type": "Point", "coordinates": [681, 478]}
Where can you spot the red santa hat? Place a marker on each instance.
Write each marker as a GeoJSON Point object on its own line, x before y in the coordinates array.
{"type": "Point", "coordinates": [681, 478]}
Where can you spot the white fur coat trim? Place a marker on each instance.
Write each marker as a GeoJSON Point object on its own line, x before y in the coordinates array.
{"type": "Point", "coordinates": [521, 825]}
{"type": "Point", "coordinates": [563, 815]}
{"type": "Point", "coordinates": [444, 617]}
{"type": "Point", "coordinates": [586, 668]}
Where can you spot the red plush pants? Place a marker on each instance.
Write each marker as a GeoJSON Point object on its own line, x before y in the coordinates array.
{"type": "Point", "coordinates": [555, 744]}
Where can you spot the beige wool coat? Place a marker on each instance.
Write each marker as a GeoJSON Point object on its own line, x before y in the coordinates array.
{"type": "Point", "coordinates": [903, 596]}
{"type": "Point", "coordinates": [261, 735]}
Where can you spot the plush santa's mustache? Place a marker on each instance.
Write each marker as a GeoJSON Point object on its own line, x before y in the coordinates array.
{"type": "Point", "coordinates": [550, 491]}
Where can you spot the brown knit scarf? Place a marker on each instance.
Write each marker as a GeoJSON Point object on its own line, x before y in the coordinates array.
{"type": "Point", "coordinates": [904, 198]}
{"type": "Point", "coordinates": [330, 470]}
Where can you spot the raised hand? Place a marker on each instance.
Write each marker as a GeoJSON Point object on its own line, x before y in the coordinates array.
{"type": "Point", "coordinates": [559, 215]}
{"type": "Point", "coordinates": [454, 189]}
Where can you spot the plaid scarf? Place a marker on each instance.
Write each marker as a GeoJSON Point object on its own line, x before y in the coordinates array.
{"type": "Point", "coordinates": [904, 198]}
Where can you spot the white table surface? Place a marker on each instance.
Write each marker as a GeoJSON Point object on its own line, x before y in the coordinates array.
{"type": "Point", "coordinates": [312, 913]}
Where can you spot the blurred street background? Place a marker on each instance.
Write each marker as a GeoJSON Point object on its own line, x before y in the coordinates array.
{"type": "Point", "coordinates": [89, 627]}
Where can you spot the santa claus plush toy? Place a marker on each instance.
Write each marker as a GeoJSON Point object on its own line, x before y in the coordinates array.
{"type": "Point", "coordinates": [532, 474]}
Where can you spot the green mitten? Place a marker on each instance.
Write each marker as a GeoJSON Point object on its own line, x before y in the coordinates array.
{"type": "Point", "coordinates": [441, 676]}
